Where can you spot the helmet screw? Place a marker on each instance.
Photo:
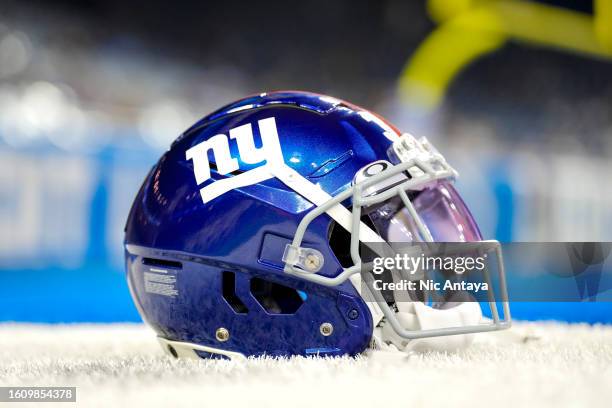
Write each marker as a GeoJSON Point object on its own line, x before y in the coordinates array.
{"type": "Point", "coordinates": [222, 334]}
{"type": "Point", "coordinates": [312, 262]}
{"type": "Point", "coordinates": [353, 314]}
{"type": "Point", "coordinates": [326, 329]}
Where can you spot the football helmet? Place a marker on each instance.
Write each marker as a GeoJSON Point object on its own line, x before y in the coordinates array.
{"type": "Point", "coordinates": [246, 238]}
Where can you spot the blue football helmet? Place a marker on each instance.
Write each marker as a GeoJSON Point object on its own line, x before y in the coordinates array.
{"type": "Point", "coordinates": [244, 239]}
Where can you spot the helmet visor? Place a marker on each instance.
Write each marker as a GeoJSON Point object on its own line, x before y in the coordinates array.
{"type": "Point", "coordinates": [441, 210]}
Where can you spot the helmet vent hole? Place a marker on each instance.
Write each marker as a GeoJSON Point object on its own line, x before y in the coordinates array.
{"type": "Point", "coordinates": [228, 283]}
{"type": "Point", "coordinates": [275, 298]}
{"type": "Point", "coordinates": [172, 351]}
{"type": "Point", "coordinates": [162, 263]}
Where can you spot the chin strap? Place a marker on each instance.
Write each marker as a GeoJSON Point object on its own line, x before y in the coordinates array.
{"type": "Point", "coordinates": [418, 316]}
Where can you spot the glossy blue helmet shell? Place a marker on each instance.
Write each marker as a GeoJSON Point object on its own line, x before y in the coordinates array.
{"type": "Point", "coordinates": [195, 267]}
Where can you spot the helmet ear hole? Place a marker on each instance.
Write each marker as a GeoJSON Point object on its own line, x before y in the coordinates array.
{"type": "Point", "coordinates": [172, 351]}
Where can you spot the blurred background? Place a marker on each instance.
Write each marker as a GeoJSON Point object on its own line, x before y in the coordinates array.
{"type": "Point", "coordinates": [517, 94]}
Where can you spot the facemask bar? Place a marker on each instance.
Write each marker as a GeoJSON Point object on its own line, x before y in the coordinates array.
{"type": "Point", "coordinates": [497, 323]}
{"type": "Point", "coordinates": [425, 165]}
{"type": "Point", "coordinates": [297, 258]}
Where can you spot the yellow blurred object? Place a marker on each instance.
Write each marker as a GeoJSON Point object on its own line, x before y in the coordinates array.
{"type": "Point", "coordinates": [442, 10]}
{"type": "Point", "coordinates": [471, 28]}
{"type": "Point", "coordinates": [603, 23]}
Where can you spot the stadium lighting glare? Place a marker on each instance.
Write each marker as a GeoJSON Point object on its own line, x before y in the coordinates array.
{"type": "Point", "coordinates": [41, 110]}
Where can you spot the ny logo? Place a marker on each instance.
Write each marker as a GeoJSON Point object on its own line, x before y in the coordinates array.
{"type": "Point", "coordinates": [270, 152]}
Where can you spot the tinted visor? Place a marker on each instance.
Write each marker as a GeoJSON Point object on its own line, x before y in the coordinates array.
{"type": "Point", "coordinates": [441, 210]}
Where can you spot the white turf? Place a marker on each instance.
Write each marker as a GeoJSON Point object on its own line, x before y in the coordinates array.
{"type": "Point", "coordinates": [122, 365]}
